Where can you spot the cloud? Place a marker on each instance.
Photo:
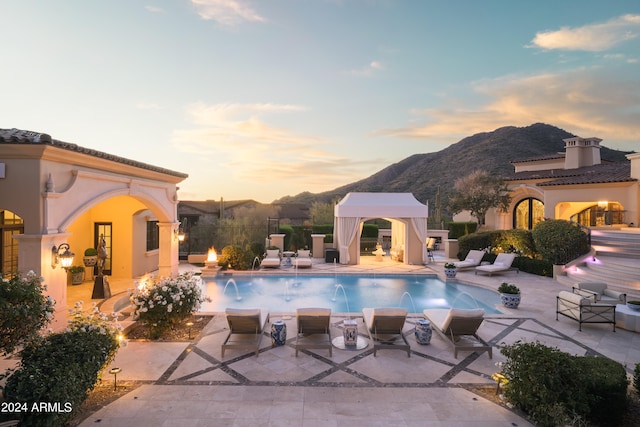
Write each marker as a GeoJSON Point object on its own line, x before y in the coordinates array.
{"type": "Point", "coordinates": [593, 38]}
{"type": "Point", "coordinates": [585, 101]}
{"type": "Point", "coordinates": [154, 9]}
{"type": "Point", "coordinates": [240, 140]}
{"type": "Point", "coordinates": [227, 12]}
{"type": "Point", "coordinates": [368, 70]}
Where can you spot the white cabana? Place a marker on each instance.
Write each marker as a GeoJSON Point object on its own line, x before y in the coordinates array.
{"type": "Point", "coordinates": [408, 224]}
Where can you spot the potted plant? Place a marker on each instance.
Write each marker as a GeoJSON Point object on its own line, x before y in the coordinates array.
{"type": "Point", "coordinates": [450, 270]}
{"type": "Point", "coordinates": [634, 305]}
{"type": "Point", "coordinates": [77, 274]}
{"type": "Point", "coordinates": [509, 295]}
{"type": "Point", "coordinates": [90, 257]}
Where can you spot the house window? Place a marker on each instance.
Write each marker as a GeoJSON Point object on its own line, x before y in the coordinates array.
{"type": "Point", "coordinates": [153, 236]}
{"type": "Point", "coordinates": [10, 225]}
{"type": "Point", "coordinates": [527, 213]}
{"type": "Point", "coordinates": [604, 213]}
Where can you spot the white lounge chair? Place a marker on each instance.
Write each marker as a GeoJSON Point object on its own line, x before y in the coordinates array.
{"type": "Point", "coordinates": [245, 328]}
{"type": "Point", "coordinates": [314, 329]}
{"type": "Point", "coordinates": [500, 265]}
{"type": "Point", "coordinates": [460, 328]}
{"type": "Point", "coordinates": [303, 259]}
{"type": "Point", "coordinates": [473, 259]}
{"type": "Point", "coordinates": [271, 259]}
{"type": "Point", "coordinates": [385, 328]}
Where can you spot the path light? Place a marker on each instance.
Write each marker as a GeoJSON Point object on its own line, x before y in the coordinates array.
{"type": "Point", "coordinates": [189, 325]}
{"type": "Point", "coordinates": [62, 255]}
{"type": "Point", "coordinates": [114, 372]}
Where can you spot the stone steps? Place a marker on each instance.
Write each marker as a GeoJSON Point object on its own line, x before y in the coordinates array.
{"type": "Point", "coordinates": [619, 243]}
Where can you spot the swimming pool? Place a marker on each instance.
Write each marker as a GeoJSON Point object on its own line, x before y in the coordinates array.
{"type": "Point", "coordinates": [344, 293]}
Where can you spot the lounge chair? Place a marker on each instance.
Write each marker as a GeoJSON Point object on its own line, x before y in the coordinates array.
{"type": "Point", "coordinates": [599, 292]}
{"type": "Point", "coordinates": [385, 328]}
{"type": "Point", "coordinates": [245, 328]}
{"type": "Point", "coordinates": [313, 329]}
{"type": "Point", "coordinates": [460, 328]}
{"type": "Point", "coordinates": [473, 259]}
{"type": "Point", "coordinates": [271, 259]}
{"type": "Point", "coordinates": [583, 310]}
{"type": "Point", "coordinates": [500, 265]}
{"type": "Point", "coordinates": [303, 259]}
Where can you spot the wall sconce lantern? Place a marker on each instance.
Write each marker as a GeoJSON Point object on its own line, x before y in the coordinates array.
{"type": "Point", "coordinates": [180, 234]}
{"type": "Point", "coordinates": [61, 255]}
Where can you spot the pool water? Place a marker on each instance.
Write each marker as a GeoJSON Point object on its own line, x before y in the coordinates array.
{"type": "Point", "coordinates": [344, 293]}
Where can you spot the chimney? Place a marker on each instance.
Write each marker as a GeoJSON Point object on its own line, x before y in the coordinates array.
{"type": "Point", "coordinates": [581, 152]}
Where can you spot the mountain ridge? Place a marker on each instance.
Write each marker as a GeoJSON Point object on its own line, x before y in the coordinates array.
{"type": "Point", "coordinates": [422, 174]}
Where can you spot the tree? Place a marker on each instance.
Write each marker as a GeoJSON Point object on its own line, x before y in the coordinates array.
{"type": "Point", "coordinates": [322, 213]}
{"type": "Point", "coordinates": [477, 193]}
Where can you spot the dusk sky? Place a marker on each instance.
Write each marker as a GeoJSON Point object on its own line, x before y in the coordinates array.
{"type": "Point", "coordinates": [259, 99]}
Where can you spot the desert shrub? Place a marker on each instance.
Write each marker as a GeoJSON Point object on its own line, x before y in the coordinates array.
{"type": "Point", "coordinates": [162, 304]}
{"type": "Point", "coordinates": [458, 229]}
{"type": "Point", "coordinates": [24, 310]}
{"type": "Point", "coordinates": [254, 249]}
{"type": "Point", "coordinates": [62, 368]}
{"type": "Point", "coordinates": [559, 241]}
{"type": "Point", "coordinates": [234, 257]}
{"type": "Point", "coordinates": [556, 388]}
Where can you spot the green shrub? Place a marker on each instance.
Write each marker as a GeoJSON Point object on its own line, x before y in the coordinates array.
{"type": "Point", "coordinates": [533, 266]}
{"type": "Point", "coordinates": [234, 257]}
{"type": "Point", "coordinates": [370, 230]}
{"type": "Point", "coordinates": [322, 229]}
{"type": "Point", "coordinates": [287, 230]}
{"type": "Point", "coordinates": [556, 388]}
{"type": "Point", "coordinates": [24, 310]}
{"type": "Point", "coordinates": [559, 241]}
{"type": "Point", "coordinates": [518, 241]}
{"type": "Point", "coordinates": [162, 304]}
{"type": "Point", "coordinates": [90, 252]}
{"type": "Point", "coordinates": [62, 368]}
{"type": "Point", "coordinates": [458, 229]}
{"type": "Point", "coordinates": [606, 385]}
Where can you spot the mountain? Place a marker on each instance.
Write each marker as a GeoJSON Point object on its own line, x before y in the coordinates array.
{"type": "Point", "coordinates": [422, 174]}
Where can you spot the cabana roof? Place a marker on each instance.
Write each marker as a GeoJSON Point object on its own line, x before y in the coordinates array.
{"type": "Point", "coordinates": [381, 205]}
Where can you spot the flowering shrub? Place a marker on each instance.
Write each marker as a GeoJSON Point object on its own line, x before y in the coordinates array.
{"type": "Point", "coordinates": [63, 367]}
{"type": "Point", "coordinates": [24, 310]}
{"type": "Point", "coordinates": [162, 304]}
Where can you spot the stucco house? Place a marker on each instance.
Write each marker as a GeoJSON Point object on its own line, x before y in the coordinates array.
{"type": "Point", "coordinates": [575, 185]}
{"type": "Point", "coordinates": [54, 193]}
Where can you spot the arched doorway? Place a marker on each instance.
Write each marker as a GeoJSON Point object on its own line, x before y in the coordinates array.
{"type": "Point", "coordinates": [527, 213]}
{"type": "Point", "coordinates": [10, 225]}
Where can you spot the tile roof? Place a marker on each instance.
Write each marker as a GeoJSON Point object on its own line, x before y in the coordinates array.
{"type": "Point", "coordinates": [602, 173]}
{"type": "Point", "coordinates": [25, 137]}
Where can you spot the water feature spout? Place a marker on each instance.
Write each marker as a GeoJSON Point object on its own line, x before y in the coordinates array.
{"type": "Point", "coordinates": [410, 299]}
{"type": "Point", "coordinates": [463, 294]}
{"type": "Point", "coordinates": [235, 285]}
{"type": "Point", "coordinates": [339, 286]}
{"type": "Point", "coordinates": [286, 291]}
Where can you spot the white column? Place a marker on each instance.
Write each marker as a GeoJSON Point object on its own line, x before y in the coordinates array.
{"type": "Point", "coordinates": [168, 254]}
{"type": "Point", "coordinates": [317, 245]}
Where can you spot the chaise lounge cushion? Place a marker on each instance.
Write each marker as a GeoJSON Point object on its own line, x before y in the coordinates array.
{"type": "Point", "coordinates": [599, 291]}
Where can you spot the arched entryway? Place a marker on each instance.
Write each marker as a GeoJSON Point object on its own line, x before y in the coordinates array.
{"type": "Point", "coordinates": [527, 213]}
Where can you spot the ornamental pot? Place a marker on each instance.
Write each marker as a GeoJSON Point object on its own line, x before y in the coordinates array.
{"type": "Point", "coordinates": [90, 261]}
{"type": "Point", "coordinates": [450, 272]}
{"type": "Point", "coordinates": [510, 300]}
{"type": "Point", "coordinates": [77, 278]}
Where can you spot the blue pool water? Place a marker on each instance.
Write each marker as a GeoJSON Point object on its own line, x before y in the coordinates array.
{"type": "Point", "coordinates": [286, 293]}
